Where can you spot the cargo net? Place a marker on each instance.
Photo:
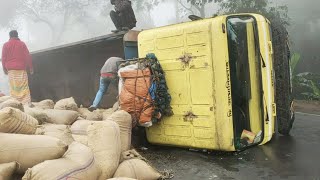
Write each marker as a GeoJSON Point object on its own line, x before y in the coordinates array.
{"type": "Point", "coordinates": [144, 91]}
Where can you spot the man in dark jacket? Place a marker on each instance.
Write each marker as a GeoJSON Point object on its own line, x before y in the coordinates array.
{"type": "Point", "coordinates": [123, 17]}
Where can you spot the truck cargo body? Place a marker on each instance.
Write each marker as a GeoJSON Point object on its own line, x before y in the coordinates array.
{"type": "Point", "coordinates": [74, 70]}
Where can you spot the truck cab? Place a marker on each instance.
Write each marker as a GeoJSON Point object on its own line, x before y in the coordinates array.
{"type": "Point", "coordinates": [220, 75]}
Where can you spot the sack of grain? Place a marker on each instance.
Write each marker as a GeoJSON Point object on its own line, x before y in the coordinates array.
{"type": "Point", "coordinates": [92, 116]}
{"type": "Point", "coordinates": [107, 113]}
{"type": "Point", "coordinates": [104, 140]}
{"type": "Point", "coordinates": [131, 154]}
{"type": "Point", "coordinates": [83, 139]}
{"type": "Point", "coordinates": [7, 170]}
{"type": "Point", "coordinates": [123, 119]}
{"type": "Point", "coordinates": [83, 112]}
{"type": "Point", "coordinates": [5, 98]}
{"type": "Point", "coordinates": [65, 117]}
{"type": "Point", "coordinates": [96, 115]}
{"type": "Point", "coordinates": [45, 104]}
{"type": "Point", "coordinates": [61, 132]}
{"type": "Point", "coordinates": [15, 121]}
{"type": "Point", "coordinates": [137, 169]}
{"type": "Point", "coordinates": [12, 103]}
{"type": "Point", "coordinates": [29, 150]}
{"type": "Point", "coordinates": [66, 104]}
{"type": "Point", "coordinates": [38, 114]}
{"type": "Point", "coordinates": [80, 126]}
{"type": "Point", "coordinates": [116, 106]}
{"type": "Point", "coordinates": [77, 163]}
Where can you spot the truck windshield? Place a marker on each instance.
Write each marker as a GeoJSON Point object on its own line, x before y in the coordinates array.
{"type": "Point", "coordinates": [245, 75]}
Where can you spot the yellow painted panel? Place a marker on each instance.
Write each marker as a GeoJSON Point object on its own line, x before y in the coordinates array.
{"type": "Point", "coordinates": [198, 27]}
{"type": "Point", "coordinates": [178, 86]}
{"type": "Point", "coordinates": [167, 54]}
{"type": "Point", "coordinates": [156, 129]}
{"type": "Point", "coordinates": [203, 110]}
{"type": "Point", "coordinates": [197, 38]}
{"type": "Point", "coordinates": [176, 121]}
{"type": "Point", "coordinates": [171, 65]}
{"type": "Point", "coordinates": [178, 131]}
{"type": "Point", "coordinates": [201, 86]}
{"type": "Point", "coordinates": [204, 121]}
{"type": "Point", "coordinates": [168, 31]}
{"type": "Point", "coordinates": [200, 62]}
{"type": "Point", "coordinates": [170, 42]}
{"type": "Point", "coordinates": [199, 50]}
{"type": "Point", "coordinates": [147, 46]}
{"type": "Point", "coordinates": [204, 133]}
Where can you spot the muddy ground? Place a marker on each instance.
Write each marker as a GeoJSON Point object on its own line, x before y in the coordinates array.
{"type": "Point", "coordinates": [291, 157]}
{"type": "Point", "coordinates": [312, 107]}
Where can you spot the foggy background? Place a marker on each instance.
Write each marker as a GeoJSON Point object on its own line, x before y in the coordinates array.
{"type": "Point", "coordinates": [47, 23]}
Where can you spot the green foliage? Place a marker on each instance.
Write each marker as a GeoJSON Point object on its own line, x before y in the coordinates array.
{"type": "Point", "coordinates": [307, 86]}
{"type": "Point", "coordinates": [295, 59]}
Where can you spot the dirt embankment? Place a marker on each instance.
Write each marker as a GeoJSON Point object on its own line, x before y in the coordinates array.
{"type": "Point", "coordinates": [312, 107]}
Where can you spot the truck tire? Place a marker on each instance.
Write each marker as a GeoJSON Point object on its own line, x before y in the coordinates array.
{"type": "Point", "coordinates": [284, 96]}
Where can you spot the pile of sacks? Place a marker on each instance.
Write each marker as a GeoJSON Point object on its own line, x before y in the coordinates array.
{"type": "Point", "coordinates": [62, 141]}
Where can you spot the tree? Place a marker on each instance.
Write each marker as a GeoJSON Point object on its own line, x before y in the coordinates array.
{"type": "Point", "coordinates": [57, 15]}
{"type": "Point", "coordinates": [276, 14]}
{"type": "Point", "coordinates": [193, 6]}
{"type": "Point", "coordinates": [142, 10]}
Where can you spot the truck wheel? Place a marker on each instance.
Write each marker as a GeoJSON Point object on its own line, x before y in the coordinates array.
{"type": "Point", "coordinates": [283, 92]}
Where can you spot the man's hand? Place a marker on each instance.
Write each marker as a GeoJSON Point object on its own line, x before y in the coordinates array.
{"type": "Point", "coordinates": [31, 71]}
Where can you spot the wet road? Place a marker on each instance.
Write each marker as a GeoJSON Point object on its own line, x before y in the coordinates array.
{"type": "Point", "coordinates": [293, 157]}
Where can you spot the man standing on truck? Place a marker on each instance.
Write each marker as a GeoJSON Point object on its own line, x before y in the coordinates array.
{"type": "Point", "coordinates": [16, 59]}
{"type": "Point", "coordinates": [123, 17]}
{"type": "Point", "coordinates": [108, 74]}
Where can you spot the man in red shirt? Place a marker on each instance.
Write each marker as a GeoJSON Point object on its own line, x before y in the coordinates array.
{"type": "Point", "coordinates": [16, 59]}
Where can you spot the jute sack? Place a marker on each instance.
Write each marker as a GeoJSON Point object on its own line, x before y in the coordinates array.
{"type": "Point", "coordinates": [77, 163]}
{"type": "Point", "coordinates": [45, 104]}
{"type": "Point", "coordinates": [80, 126]}
{"type": "Point", "coordinates": [12, 103]}
{"type": "Point", "coordinates": [123, 119]}
{"type": "Point", "coordinates": [137, 169]}
{"type": "Point", "coordinates": [83, 139]}
{"type": "Point", "coordinates": [5, 98]}
{"type": "Point", "coordinates": [104, 140]}
{"type": "Point", "coordinates": [116, 106]}
{"type": "Point", "coordinates": [66, 104]}
{"type": "Point", "coordinates": [131, 154]}
{"type": "Point", "coordinates": [38, 114]}
{"type": "Point", "coordinates": [15, 121]}
{"type": "Point", "coordinates": [83, 112]}
{"type": "Point", "coordinates": [79, 131]}
{"type": "Point", "coordinates": [107, 113]}
{"type": "Point", "coordinates": [29, 150]}
{"type": "Point", "coordinates": [92, 116]}
{"type": "Point", "coordinates": [7, 170]}
{"type": "Point", "coordinates": [65, 117]}
{"type": "Point", "coordinates": [61, 132]}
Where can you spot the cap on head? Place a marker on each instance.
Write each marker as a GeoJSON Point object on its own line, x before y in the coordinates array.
{"type": "Point", "coordinates": [13, 34]}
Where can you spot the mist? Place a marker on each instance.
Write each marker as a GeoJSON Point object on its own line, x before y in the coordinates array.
{"type": "Point", "coordinates": [48, 24]}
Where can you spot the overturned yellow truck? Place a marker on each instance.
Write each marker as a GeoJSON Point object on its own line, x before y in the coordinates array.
{"type": "Point", "coordinates": [221, 77]}
{"type": "Point", "coordinates": [220, 74]}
